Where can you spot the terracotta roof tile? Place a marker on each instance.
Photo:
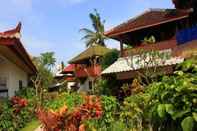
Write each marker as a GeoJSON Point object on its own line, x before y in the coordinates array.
{"type": "Point", "coordinates": [69, 68]}
{"type": "Point", "coordinates": [14, 33]}
{"type": "Point", "coordinates": [13, 42]}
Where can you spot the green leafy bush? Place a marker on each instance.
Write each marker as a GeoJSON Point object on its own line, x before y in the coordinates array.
{"type": "Point", "coordinates": [12, 119]}
{"type": "Point", "coordinates": [69, 99]}
{"type": "Point", "coordinates": [109, 58]}
{"type": "Point", "coordinates": [170, 104]}
{"type": "Point", "coordinates": [110, 108]}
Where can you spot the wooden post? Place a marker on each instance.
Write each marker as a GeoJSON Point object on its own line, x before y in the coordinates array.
{"type": "Point", "coordinates": [121, 49]}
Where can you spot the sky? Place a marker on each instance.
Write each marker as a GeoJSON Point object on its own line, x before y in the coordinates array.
{"type": "Point", "coordinates": [53, 25]}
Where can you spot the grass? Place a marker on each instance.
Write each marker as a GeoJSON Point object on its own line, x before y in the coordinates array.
{"type": "Point", "coordinates": [31, 126]}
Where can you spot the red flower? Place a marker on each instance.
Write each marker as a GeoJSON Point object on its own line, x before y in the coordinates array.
{"type": "Point", "coordinates": [18, 103]}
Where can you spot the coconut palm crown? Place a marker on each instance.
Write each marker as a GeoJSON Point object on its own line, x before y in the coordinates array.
{"type": "Point", "coordinates": [95, 36]}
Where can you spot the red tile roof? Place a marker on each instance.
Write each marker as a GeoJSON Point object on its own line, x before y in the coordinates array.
{"type": "Point", "coordinates": [11, 39]}
{"type": "Point", "coordinates": [14, 33]}
{"type": "Point", "coordinates": [149, 18]}
{"type": "Point", "coordinates": [70, 78]}
{"type": "Point", "coordinates": [69, 68]}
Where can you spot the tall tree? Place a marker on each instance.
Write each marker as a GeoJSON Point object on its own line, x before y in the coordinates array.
{"type": "Point", "coordinates": [44, 77]}
{"type": "Point", "coordinates": [95, 36]}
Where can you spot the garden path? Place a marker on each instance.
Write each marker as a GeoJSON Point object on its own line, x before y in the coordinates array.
{"type": "Point", "coordinates": [39, 128]}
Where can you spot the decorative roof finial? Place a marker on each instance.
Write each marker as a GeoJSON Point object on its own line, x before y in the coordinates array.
{"type": "Point", "coordinates": [18, 27]}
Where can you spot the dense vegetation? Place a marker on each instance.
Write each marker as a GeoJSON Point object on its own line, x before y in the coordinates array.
{"type": "Point", "coordinates": [15, 113]}
{"type": "Point", "coordinates": [109, 58]}
{"type": "Point", "coordinates": [167, 104]}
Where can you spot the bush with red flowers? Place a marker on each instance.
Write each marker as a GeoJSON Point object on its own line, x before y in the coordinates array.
{"type": "Point", "coordinates": [16, 112]}
{"type": "Point", "coordinates": [64, 119]}
{"type": "Point", "coordinates": [18, 103]}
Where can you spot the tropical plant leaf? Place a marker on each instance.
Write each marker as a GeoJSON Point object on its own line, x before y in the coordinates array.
{"type": "Point", "coordinates": [169, 108]}
{"type": "Point", "coordinates": [161, 110]}
{"type": "Point", "coordinates": [194, 116]}
{"type": "Point", "coordinates": [179, 114]}
{"type": "Point", "coordinates": [187, 124]}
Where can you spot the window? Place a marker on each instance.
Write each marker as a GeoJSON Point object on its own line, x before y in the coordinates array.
{"type": "Point", "coordinates": [20, 84]}
{"type": "Point", "coordinates": [3, 87]}
{"type": "Point", "coordinates": [90, 85]}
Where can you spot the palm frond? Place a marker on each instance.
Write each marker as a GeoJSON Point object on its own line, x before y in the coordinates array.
{"type": "Point", "coordinates": [86, 31]}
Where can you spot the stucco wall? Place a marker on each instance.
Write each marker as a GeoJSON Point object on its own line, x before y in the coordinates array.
{"type": "Point", "coordinates": [85, 86]}
{"type": "Point", "coordinates": [13, 75]}
{"type": "Point", "coordinates": [70, 84]}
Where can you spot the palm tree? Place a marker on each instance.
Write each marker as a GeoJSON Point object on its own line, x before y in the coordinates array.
{"type": "Point", "coordinates": [95, 36]}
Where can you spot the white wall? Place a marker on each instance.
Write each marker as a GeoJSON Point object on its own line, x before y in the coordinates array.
{"type": "Point", "coordinates": [85, 86]}
{"type": "Point", "coordinates": [70, 84]}
{"type": "Point", "coordinates": [13, 75]}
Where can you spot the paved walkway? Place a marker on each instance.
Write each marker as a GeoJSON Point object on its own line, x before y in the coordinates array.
{"type": "Point", "coordinates": [38, 129]}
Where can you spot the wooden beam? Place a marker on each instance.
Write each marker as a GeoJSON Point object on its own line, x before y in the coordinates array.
{"type": "Point", "coordinates": [121, 49]}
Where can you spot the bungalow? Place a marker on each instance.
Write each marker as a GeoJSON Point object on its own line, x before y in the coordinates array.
{"type": "Point", "coordinates": [87, 66]}
{"type": "Point", "coordinates": [171, 32]}
{"type": "Point", "coordinates": [70, 77]}
{"type": "Point", "coordinates": [16, 66]}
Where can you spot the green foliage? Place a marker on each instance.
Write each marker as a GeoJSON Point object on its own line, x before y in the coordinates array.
{"type": "Point", "coordinates": [117, 125]}
{"type": "Point", "coordinates": [44, 77]}
{"type": "Point", "coordinates": [150, 40]}
{"type": "Point", "coordinates": [109, 121]}
{"type": "Point", "coordinates": [132, 111]}
{"type": "Point", "coordinates": [26, 92]}
{"type": "Point", "coordinates": [109, 58]}
{"type": "Point", "coordinates": [95, 36]}
{"type": "Point", "coordinates": [110, 106]}
{"type": "Point", "coordinates": [10, 121]}
{"type": "Point", "coordinates": [106, 86]}
{"type": "Point", "coordinates": [187, 124]}
{"type": "Point", "coordinates": [150, 62]}
{"type": "Point", "coordinates": [31, 126]}
{"type": "Point", "coordinates": [69, 99]}
{"type": "Point", "coordinates": [169, 104]}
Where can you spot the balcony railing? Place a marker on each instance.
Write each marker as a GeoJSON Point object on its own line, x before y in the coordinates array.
{"type": "Point", "coordinates": [92, 71]}
{"type": "Point", "coordinates": [169, 44]}
{"type": "Point", "coordinates": [186, 35]}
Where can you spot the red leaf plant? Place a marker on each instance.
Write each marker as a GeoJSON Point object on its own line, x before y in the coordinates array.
{"type": "Point", "coordinates": [18, 103]}
{"type": "Point", "coordinates": [70, 120]}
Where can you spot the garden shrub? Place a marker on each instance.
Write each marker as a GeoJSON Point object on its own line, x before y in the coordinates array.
{"type": "Point", "coordinates": [132, 110]}
{"type": "Point", "coordinates": [69, 99]}
{"type": "Point", "coordinates": [63, 119]}
{"type": "Point", "coordinates": [26, 92]}
{"type": "Point", "coordinates": [170, 104]}
{"type": "Point", "coordinates": [109, 58]}
{"type": "Point", "coordinates": [18, 111]}
{"type": "Point", "coordinates": [15, 114]}
{"type": "Point", "coordinates": [109, 87]}
{"type": "Point", "coordinates": [110, 108]}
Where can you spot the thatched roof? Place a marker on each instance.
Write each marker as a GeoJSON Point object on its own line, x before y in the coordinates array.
{"type": "Point", "coordinates": [95, 50]}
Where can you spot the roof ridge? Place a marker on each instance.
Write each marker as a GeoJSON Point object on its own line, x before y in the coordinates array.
{"type": "Point", "coordinates": [12, 33]}
{"type": "Point", "coordinates": [161, 9]}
